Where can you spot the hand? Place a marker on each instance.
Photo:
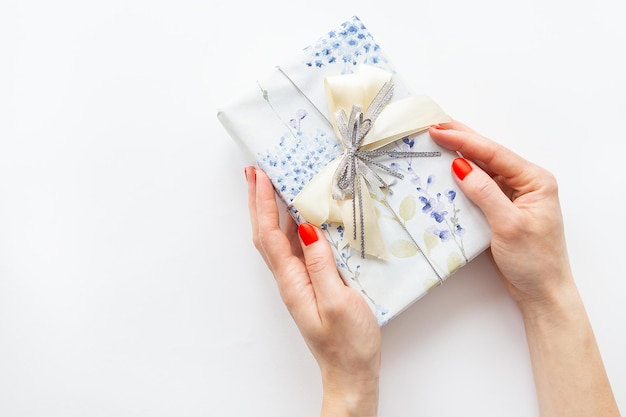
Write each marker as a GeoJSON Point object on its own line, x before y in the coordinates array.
{"type": "Point", "coordinates": [337, 324]}
{"type": "Point", "coordinates": [520, 201]}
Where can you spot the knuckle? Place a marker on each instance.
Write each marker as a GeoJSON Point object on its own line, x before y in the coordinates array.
{"type": "Point", "coordinates": [514, 227]}
{"type": "Point", "coordinates": [316, 263]}
{"type": "Point", "coordinates": [549, 181]}
{"type": "Point", "coordinates": [290, 300]}
{"type": "Point", "coordinates": [262, 240]}
{"type": "Point", "coordinates": [256, 241]}
{"type": "Point", "coordinates": [334, 311]}
{"type": "Point", "coordinates": [483, 190]}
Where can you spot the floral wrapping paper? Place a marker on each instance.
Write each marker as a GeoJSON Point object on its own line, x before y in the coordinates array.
{"type": "Point", "coordinates": [430, 229]}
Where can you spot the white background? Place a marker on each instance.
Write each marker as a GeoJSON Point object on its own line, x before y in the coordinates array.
{"type": "Point", "coordinates": [129, 285]}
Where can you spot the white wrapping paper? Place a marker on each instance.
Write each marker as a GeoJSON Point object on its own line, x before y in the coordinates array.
{"type": "Point", "coordinates": [429, 229]}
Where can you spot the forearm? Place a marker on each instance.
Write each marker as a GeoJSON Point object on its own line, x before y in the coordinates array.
{"type": "Point", "coordinates": [569, 373]}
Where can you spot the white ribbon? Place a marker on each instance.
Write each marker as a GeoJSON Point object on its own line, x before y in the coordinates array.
{"type": "Point", "coordinates": [373, 123]}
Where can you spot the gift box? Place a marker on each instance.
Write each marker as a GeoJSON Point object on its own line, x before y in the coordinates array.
{"type": "Point", "coordinates": [346, 146]}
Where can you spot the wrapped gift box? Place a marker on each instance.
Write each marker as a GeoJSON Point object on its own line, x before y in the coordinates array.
{"type": "Point", "coordinates": [418, 227]}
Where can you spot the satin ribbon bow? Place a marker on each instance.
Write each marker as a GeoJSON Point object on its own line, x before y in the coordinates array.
{"type": "Point", "coordinates": [343, 190]}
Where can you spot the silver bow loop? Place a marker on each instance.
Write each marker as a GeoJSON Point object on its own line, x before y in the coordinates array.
{"type": "Point", "coordinates": [357, 164]}
{"type": "Point", "coordinates": [365, 119]}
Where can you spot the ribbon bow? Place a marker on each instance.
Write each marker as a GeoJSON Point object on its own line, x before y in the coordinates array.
{"type": "Point", "coordinates": [342, 191]}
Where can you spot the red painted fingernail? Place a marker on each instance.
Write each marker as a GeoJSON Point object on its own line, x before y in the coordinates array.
{"type": "Point", "coordinates": [307, 233]}
{"type": "Point", "coordinates": [438, 127]}
{"type": "Point", "coordinates": [246, 172]}
{"type": "Point", "coordinates": [461, 167]}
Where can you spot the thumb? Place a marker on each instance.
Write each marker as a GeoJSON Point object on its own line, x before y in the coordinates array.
{"type": "Point", "coordinates": [320, 263]}
{"type": "Point", "coordinates": [479, 187]}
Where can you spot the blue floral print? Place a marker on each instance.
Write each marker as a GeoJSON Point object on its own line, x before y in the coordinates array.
{"type": "Point", "coordinates": [351, 44]}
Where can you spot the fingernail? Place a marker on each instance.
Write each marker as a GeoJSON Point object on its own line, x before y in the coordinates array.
{"type": "Point", "coordinates": [461, 167]}
{"type": "Point", "coordinates": [307, 233]}
{"type": "Point", "coordinates": [246, 172]}
{"type": "Point", "coordinates": [438, 127]}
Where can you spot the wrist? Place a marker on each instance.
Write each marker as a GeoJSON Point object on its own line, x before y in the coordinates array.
{"type": "Point", "coordinates": [350, 394]}
{"type": "Point", "coordinates": [560, 305]}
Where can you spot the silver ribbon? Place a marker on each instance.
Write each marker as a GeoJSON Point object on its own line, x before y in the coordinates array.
{"type": "Point", "coordinates": [355, 173]}
{"type": "Point", "coordinates": [357, 163]}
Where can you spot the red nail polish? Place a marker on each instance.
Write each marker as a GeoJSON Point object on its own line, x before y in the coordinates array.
{"type": "Point", "coordinates": [246, 172]}
{"type": "Point", "coordinates": [438, 127]}
{"type": "Point", "coordinates": [307, 233]}
{"type": "Point", "coordinates": [461, 167]}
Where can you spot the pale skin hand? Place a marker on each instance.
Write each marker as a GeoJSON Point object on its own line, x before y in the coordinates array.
{"type": "Point", "coordinates": [335, 321]}
{"type": "Point", "coordinates": [520, 201]}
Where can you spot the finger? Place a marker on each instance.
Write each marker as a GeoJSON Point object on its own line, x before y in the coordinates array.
{"type": "Point", "coordinates": [291, 230]}
{"type": "Point", "coordinates": [273, 242]}
{"type": "Point", "coordinates": [270, 237]}
{"type": "Point", "coordinates": [251, 177]}
{"type": "Point", "coordinates": [456, 125]}
{"type": "Point", "coordinates": [320, 264]}
{"type": "Point", "coordinates": [491, 156]}
{"type": "Point", "coordinates": [275, 246]}
{"type": "Point", "coordinates": [250, 174]}
{"type": "Point", "coordinates": [479, 187]}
